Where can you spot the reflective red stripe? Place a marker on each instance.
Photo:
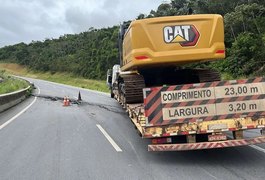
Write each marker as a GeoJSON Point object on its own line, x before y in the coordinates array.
{"type": "Point", "coordinates": [206, 145]}
{"type": "Point", "coordinates": [222, 51]}
{"type": "Point", "coordinates": [141, 57]}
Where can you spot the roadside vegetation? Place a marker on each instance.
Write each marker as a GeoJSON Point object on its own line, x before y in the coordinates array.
{"type": "Point", "coordinates": [60, 77]}
{"type": "Point", "coordinates": [10, 84]}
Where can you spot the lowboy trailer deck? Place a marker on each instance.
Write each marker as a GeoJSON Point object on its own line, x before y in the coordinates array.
{"type": "Point", "coordinates": [201, 116]}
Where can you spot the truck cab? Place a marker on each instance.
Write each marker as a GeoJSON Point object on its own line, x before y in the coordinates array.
{"type": "Point", "coordinates": [112, 75]}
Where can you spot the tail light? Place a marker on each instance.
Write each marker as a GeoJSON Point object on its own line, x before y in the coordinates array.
{"type": "Point", "coordinates": [161, 140]}
{"type": "Point", "coordinates": [221, 51]}
{"type": "Point", "coordinates": [141, 57]}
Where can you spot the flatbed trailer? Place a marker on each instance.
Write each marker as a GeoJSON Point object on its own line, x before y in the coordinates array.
{"type": "Point", "coordinates": [175, 107]}
{"type": "Point", "coordinates": [167, 119]}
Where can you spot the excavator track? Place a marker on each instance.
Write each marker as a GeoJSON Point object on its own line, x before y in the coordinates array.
{"type": "Point", "coordinates": [132, 88]}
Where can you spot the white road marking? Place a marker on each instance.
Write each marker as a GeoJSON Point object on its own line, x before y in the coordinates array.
{"type": "Point", "coordinates": [112, 142]}
{"type": "Point", "coordinates": [257, 148]}
{"type": "Point", "coordinates": [208, 173]}
{"type": "Point", "coordinates": [21, 112]}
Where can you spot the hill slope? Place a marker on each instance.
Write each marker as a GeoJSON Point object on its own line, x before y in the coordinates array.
{"type": "Point", "coordinates": [88, 54]}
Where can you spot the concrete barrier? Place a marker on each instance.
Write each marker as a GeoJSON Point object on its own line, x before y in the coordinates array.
{"type": "Point", "coordinates": [11, 99]}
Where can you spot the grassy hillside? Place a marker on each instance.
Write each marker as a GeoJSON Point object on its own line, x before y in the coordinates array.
{"type": "Point", "coordinates": [64, 78]}
{"type": "Point", "coordinates": [88, 54]}
{"type": "Point", "coordinates": [9, 84]}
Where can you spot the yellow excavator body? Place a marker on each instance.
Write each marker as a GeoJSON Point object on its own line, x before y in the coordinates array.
{"type": "Point", "coordinates": [174, 40]}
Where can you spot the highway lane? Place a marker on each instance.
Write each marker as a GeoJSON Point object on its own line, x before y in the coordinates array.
{"type": "Point", "coordinates": [50, 141]}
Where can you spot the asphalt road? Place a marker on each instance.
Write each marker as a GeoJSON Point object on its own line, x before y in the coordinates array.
{"type": "Point", "coordinates": [49, 141]}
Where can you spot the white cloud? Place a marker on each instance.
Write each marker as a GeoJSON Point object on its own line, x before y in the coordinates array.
{"type": "Point", "coordinates": [27, 20]}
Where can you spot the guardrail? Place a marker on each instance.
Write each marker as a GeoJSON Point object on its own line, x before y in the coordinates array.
{"type": "Point", "coordinates": [11, 99]}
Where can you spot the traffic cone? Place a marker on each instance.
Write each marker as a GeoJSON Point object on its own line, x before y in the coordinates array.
{"type": "Point", "coordinates": [64, 101]}
{"type": "Point", "coordinates": [79, 97]}
{"type": "Point", "coordinates": [68, 101]}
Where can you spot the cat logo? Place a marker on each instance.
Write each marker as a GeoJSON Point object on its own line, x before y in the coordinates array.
{"type": "Point", "coordinates": [186, 35]}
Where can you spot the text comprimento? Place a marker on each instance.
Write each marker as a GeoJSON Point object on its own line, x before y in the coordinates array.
{"type": "Point", "coordinates": [187, 95]}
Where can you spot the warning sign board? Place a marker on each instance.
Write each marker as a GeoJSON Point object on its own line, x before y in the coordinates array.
{"type": "Point", "coordinates": [205, 101]}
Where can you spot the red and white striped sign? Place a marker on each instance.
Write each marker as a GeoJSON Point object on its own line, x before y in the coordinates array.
{"type": "Point", "coordinates": [205, 101]}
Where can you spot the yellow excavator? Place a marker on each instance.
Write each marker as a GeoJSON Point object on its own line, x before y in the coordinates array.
{"type": "Point", "coordinates": [153, 52]}
{"type": "Point", "coordinates": [176, 107]}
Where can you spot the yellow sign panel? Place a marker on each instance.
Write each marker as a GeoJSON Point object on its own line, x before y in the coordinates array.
{"type": "Point", "coordinates": [226, 101]}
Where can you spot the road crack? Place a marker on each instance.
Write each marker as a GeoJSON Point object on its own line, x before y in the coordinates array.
{"type": "Point", "coordinates": [109, 108]}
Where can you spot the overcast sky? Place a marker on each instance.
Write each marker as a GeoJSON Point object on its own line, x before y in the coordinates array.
{"type": "Point", "coordinates": [27, 20]}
